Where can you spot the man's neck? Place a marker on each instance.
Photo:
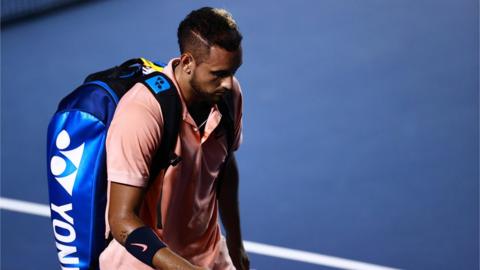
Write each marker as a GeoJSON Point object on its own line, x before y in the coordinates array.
{"type": "Point", "coordinates": [198, 109]}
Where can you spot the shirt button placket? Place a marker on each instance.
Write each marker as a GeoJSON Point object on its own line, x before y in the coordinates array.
{"type": "Point", "coordinates": [197, 132]}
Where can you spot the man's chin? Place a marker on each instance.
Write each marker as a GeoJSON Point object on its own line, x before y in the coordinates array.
{"type": "Point", "coordinates": [213, 99]}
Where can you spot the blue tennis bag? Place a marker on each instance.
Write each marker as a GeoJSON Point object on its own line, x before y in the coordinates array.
{"type": "Point", "coordinates": [76, 155]}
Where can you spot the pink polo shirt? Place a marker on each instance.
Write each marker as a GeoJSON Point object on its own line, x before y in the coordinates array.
{"type": "Point", "coordinates": [189, 204]}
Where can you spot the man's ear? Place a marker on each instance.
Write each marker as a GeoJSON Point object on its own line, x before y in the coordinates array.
{"type": "Point", "coordinates": [188, 63]}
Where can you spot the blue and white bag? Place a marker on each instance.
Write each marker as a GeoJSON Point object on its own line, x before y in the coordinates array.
{"type": "Point", "coordinates": [76, 155]}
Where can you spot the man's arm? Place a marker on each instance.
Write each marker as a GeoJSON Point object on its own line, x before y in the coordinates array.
{"type": "Point", "coordinates": [123, 218]}
{"type": "Point", "coordinates": [230, 214]}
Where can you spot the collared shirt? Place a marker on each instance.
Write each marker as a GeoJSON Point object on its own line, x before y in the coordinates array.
{"type": "Point", "coordinates": [186, 192]}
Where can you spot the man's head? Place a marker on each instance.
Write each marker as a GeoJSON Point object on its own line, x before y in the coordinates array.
{"type": "Point", "coordinates": [210, 44]}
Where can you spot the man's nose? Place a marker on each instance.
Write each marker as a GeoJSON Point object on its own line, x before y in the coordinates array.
{"type": "Point", "coordinates": [227, 83]}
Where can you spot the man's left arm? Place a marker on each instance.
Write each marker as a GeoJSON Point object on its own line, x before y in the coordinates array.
{"type": "Point", "coordinates": [230, 214]}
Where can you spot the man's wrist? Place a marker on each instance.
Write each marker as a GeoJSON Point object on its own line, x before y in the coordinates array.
{"type": "Point", "coordinates": [143, 243]}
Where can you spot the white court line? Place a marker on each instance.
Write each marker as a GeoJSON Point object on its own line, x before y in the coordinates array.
{"type": "Point", "coordinates": [258, 248]}
{"type": "Point", "coordinates": [25, 207]}
{"type": "Point", "coordinates": [310, 257]}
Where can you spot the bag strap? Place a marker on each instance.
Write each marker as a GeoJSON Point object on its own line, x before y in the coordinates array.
{"type": "Point", "coordinates": [226, 108]}
{"type": "Point", "coordinates": [166, 94]}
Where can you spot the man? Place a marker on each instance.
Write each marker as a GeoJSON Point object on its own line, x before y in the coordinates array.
{"type": "Point", "coordinates": [189, 196]}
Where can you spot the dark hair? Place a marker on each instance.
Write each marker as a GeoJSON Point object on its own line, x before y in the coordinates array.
{"type": "Point", "coordinates": [206, 27]}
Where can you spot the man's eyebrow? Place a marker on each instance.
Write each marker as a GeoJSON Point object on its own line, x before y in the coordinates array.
{"type": "Point", "coordinates": [222, 72]}
{"type": "Point", "coordinates": [228, 71]}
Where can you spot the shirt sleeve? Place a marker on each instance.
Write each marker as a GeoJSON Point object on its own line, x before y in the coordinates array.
{"type": "Point", "coordinates": [238, 129]}
{"type": "Point", "coordinates": [133, 137]}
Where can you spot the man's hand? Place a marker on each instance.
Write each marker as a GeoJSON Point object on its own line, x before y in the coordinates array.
{"type": "Point", "coordinates": [240, 259]}
{"type": "Point", "coordinates": [238, 255]}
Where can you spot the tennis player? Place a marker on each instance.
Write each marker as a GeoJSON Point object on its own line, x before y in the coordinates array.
{"type": "Point", "coordinates": [189, 235]}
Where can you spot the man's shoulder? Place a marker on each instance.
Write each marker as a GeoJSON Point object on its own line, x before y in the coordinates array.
{"type": "Point", "coordinates": [236, 86]}
{"type": "Point", "coordinates": [236, 99]}
{"type": "Point", "coordinates": [236, 92]}
{"type": "Point", "coordinates": [139, 99]}
{"type": "Point", "coordinates": [139, 93]}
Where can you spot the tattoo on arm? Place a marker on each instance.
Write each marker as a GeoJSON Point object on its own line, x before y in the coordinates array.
{"type": "Point", "coordinates": [123, 236]}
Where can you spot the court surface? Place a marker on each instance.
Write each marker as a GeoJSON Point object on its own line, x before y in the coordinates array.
{"type": "Point", "coordinates": [360, 125]}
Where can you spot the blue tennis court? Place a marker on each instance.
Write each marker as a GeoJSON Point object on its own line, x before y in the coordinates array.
{"type": "Point", "coordinates": [361, 125]}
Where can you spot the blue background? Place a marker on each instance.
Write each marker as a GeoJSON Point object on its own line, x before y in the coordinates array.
{"type": "Point", "coordinates": [360, 121]}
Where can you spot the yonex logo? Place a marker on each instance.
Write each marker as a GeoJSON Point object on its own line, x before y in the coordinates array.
{"type": "Point", "coordinates": [59, 166]}
{"type": "Point", "coordinates": [158, 84]}
{"type": "Point", "coordinates": [64, 166]}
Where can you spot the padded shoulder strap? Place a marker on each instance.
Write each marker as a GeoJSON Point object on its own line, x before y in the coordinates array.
{"type": "Point", "coordinates": [227, 110]}
{"type": "Point", "coordinates": [166, 94]}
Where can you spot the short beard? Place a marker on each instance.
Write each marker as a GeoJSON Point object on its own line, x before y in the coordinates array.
{"type": "Point", "coordinates": [200, 95]}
